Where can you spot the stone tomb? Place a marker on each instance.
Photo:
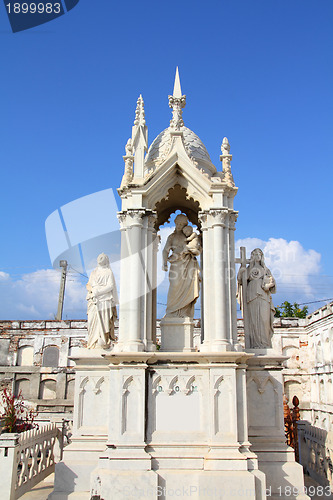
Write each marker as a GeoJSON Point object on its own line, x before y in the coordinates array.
{"type": "Point", "coordinates": [175, 422]}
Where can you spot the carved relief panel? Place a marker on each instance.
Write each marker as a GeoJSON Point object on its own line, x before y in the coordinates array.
{"type": "Point", "coordinates": [177, 400]}
{"type": "Point", "coordinates": [265, 412]}
{"type": "Point", "coordinates": [93, 398]}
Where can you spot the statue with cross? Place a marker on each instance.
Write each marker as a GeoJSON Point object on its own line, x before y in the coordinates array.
{"type": "Point", "coordinates": [255, 286]}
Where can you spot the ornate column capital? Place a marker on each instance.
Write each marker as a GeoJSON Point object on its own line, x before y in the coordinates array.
{"type": "Point", "coordinates": [131, 217]}
{"type": "Point", "coordinates": [152, 218]}
{"type": "Point", "coordinates": [204, 219]}
{"type": "Point", "coordinates": [218, 216]}
{"type": "Point", "coordinates": [233, 216]}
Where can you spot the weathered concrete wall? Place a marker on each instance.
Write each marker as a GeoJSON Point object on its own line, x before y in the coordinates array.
{"type": "Point", "coordinates": [24, 345]}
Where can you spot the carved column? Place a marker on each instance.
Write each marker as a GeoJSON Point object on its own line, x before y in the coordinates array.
{"type": "Point", "coordinates": [137, 275]}
{"type": "Point", "coordinates": [131, 280]}
{"type": "Point", "coordinates": [149, 304]}
{"type": "Point", "coordinates": [208, 296]}
{"type": "Point", "coordinates": [221, 340]}
{"type": "Point", "coordinates": [232, 280]}
{"type": "Point", "coordinates": [154, 286]}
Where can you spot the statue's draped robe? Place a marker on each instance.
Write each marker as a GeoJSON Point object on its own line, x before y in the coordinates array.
{"type": "Point", "coordinates": [184, 278]}
{"type": "Point", "coordinates": [100, 314]}
{"type": "Point", "coordinates": [260, 309]}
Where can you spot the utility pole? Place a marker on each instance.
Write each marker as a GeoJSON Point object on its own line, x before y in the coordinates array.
{"type": "Point", "coordinates": [63, 264]}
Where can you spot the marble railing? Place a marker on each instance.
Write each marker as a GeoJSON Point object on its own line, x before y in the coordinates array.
{"type": "Point", "coordinates": [27, 458]}
{"type": "Point", "coordinates": [316, 452]}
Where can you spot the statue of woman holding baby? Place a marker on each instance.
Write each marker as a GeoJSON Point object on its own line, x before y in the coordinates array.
{"type": "Point", "coordinates": [184, 273]}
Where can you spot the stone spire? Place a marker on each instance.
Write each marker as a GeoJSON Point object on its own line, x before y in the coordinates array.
{"type": "Point", "coordinates": [140, 112]}
{"type": "Point", "coordinates": [177, 90]}
{"type": "Point", "coordinates": [177, 102]}
{"type": "Point", "coordinates": [139, 139]}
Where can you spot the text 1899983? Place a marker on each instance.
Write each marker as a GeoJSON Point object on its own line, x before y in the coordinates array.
{"type": "Point", "coordinates": [33, 8]}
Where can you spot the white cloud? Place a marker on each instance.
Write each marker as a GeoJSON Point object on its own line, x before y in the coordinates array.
{"type": "Point", "coordinates": [294, 268]}
{"type": "Point", "coordinates": [4, 276]}
{"type": "Point", "coordinates": [35, 296]}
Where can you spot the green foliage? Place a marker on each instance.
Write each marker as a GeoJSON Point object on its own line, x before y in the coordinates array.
{"type": "Point", "coordinates": [16, 417]}
{"type": "Point", "coordinates": [288, 310]}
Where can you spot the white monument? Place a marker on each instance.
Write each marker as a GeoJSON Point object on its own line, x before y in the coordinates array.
{"type": "Point", "coordinates": [177, 422]}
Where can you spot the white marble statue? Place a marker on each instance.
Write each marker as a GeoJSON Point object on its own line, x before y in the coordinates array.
{"type": "Point", "coordinates": [256, 284]}
{"type": "Point", "coordinates": [102, 298]}
{"type": "Point", "coordinates": [184, 274]}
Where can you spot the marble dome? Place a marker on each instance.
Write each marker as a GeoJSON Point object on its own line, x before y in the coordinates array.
{"type": "Point", "coordinates": [195, 148]}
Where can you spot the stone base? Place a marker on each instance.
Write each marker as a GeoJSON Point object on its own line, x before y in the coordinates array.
{"type": "Point", "coordinates": [284, 476]}
{"type": "Point", "coordinates": [81, 495]}
{"type": "Point", "coordinates": [73, 473]}
{"type": "Point", "coordinates": [174, 424]}
{"type": "Point", "coordinates": [170, 483]}
{"type": "Point", "coordinates": [124, 484]}
{"type": "Point", "coordinates": [177, 334]}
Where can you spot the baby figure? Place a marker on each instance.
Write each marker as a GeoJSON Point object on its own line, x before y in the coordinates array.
{"type": "Point", "coordinates": [192, 245]}
{"type": "Point", "coordinates": [193, 242]}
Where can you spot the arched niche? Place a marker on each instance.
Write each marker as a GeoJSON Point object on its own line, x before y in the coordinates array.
{"type": "Point", "coordinates": [48, 389]}
{"type": "Point", "coordinates": [177, 184]}
{"type": "Point", "coordinates": [51, 356]}
{"type": "Point", "coordinates": [293, 388]}
{"type": "Point", "coordinates": [25, 356]}
{"type": "Point", "coordinates": [22, 385]}
{"type": "Point", "coordinates": [177, 198]}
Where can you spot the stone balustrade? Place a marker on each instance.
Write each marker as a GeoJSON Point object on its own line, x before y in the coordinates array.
{"type": "Point", "coordinates": [316, 452]}
{"type": "Point", "coordinates": [28, 458]}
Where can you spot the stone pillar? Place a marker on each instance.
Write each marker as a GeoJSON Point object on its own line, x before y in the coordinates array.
{"type": "Point", "coordinates": [125, 465]}
{"type": "Point", "coordinates": [243, 437]}
{"type": "Point", "coordinates": [154, 287]}
{"type": "Point", "coordinates": [137, 275]}
{"type": "Point", "coordinates": [221, 341]}
{"type": "Point", "coordinates": [148, 254]}
{"type": "Point", "coordinates": [219, 287]}
{"type": "Point", "coordinates": [124, 277]}
{"type": "Point", "coordinates": [90, 426]}
{"type": "Point", "coordinates": [9, 445]}
{"type": "Point", "coordinates": [207, 312]}
{"type": "Point", "coordinates": [232, 281]}
{"type": "Point", "coordinates": [266, 425]}
{"type": "Point", "coordinates": [131, 280]}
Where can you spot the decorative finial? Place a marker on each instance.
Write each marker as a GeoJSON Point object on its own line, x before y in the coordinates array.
{"type": "Point", "coordinates": [128, 158]}
{"type": "Point", "coordinates": [129, 147]}
{"type": "Point", "coordinates": [225, 147]}
{"type": "Point", "coordinates": [226, 158]}
{"type": "Point", "coordinates": [140, 112]}
{"type": "Point", "coordinates": [177, 102]}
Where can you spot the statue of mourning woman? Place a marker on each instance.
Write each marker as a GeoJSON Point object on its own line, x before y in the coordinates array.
{"type": "Point", "coordinates": [256, 284]}
{"type": "Point", "coordinates": [102, 299]}
{"type": "Point", "coordinates": [184, 274]}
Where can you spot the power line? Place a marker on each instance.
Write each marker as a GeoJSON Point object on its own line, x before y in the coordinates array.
{"type": "Point", "coordinates": [84, 275]}
{"type": "Point", "coordinates": [315, 301]}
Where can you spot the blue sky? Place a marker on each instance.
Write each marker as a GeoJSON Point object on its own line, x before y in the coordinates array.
{"type": "Point", "coordinates": [257, 72]}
